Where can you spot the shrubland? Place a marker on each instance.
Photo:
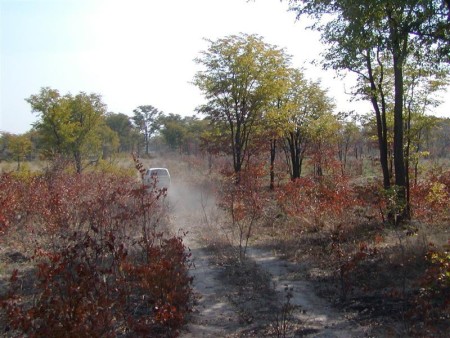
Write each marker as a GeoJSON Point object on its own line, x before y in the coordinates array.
{"type": "Point", "coordinates": [88, 255]}
{"type": "Point", "coordinates": [338, 229]}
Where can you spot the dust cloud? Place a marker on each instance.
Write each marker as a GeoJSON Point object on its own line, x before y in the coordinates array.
{"type": "Point", "coordinates": [195, 216]}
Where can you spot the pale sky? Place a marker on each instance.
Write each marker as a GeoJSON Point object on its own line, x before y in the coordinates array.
{"type": "Point", "coordinates": [137, 52]}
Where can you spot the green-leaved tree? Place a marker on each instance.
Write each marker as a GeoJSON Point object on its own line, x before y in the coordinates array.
{"type": "Point", "coordinates": [367, 37]}
{"type": "Point", "coordinates": [68, 125]}
{"type": "Point", "coordinates": [304, 102]}
{"type": "Point", "coordinates": [20, 146]}
{"type": "Point", "coordinates": [146, 119]}
{"type": "Point", "coordinates": [241, 75]}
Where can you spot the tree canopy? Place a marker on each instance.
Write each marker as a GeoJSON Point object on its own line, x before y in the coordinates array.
{"type": "Point", "coordinates": [68, 125]}
{"type": "Point", "coordinates": [145, 118]}
{"type": "Point", "coordinates": [241, 75]}
{"type": "Point", "coordinates": [372, 36]}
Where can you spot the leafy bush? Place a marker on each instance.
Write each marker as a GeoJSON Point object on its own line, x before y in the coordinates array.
{"type": "Point", "coordinates": [431, 197]}
{"type": "Point", "coordinates": [101, 265]}
{"type": "Point", "coordinates": [433, 300]}
{"type": "Point", "coordinates": [242, 198]}
{"type": "Point", "coordinates": [319, 202]}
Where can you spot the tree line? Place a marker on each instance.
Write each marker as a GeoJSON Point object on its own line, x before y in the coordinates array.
{"type": "Point", "coordinates": [80, 129]}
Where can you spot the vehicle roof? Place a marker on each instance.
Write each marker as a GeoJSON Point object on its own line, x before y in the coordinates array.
{"type": "Point", "coordinates": [161, 171]}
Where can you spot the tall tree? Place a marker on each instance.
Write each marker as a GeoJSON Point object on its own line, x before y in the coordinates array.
{"type": "Point", "coordinates": [348, 135]}
{"type": "Point", "coordinates": [68, 124]}
{"type": "Point", "coordinates": [19, 146]}
{"type": "Point", "coordinates": [146, 119]}
{"type": "Point", "coordinates": [174, 130]}
{"type": "Point", "coordinates": [87, 118]}
{"type": "Point", "coordinates": [421, 85]}
{"type": "Point", "coordinates": [360, 34]}
{"type": "Point", "coordinates": [121, 124]}
{"type": "Point", "coordinates": [272, 130]}
{"type": "Point", "coordinates": [304, 102]}
{"type": "Point", "coordinates": [323, 133]}
{"type": "Point", "coordinates": [274, 121]}
{"type": "Point", "coordinates": [194, 130]}
{"type": "Point", "coordinates": [242, 73]}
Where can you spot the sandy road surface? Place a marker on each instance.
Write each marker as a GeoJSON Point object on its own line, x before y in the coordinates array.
{"type": "Point", "coordinates": [317, 316]}
{"type": "Point", "coordinates": [214, 315]}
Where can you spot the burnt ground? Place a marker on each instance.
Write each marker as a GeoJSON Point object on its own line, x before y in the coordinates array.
{"type": "Point", "coordinates": [264, 296]}
{"type": "Point", "coordinates": [285, 289]}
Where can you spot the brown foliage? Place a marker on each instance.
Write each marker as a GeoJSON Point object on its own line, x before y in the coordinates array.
{"type": "Point", "coordinates": [319, 202]}
{"type": "Point", "coordinates": [431, 198]}
{"type": "Point", "coordinates": [100, 264]}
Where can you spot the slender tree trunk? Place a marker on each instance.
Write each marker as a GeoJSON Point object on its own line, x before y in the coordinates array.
{"type": "Point", "coordinates": [416, 162]}
{"type": "Point", "coordinates": [380, 114]}
{"type": "Point", "coordinates": [382, 143]}
{"type": "Point", "coordinates": [238, 161]}
{"type": "Point", "coordinates": [273, 145]}
{"type": "Point", "coordinates": [296, 161]}
{"type": "Point", "coordinates": [407, 156]}
{"type": "Point", "coordinates": [391, 163]}
{"type": "Point", "coordinates": [237, 154]}
{"type": "Point", "coordinates": [77, 157]}
{"type": "Point", "coordinates": [295, 154]}
{"type": "Point", "coordinates": [399, 158]}
{"type": "Point", "coordinates": [345, 157]}
{"type": "Point", "coordinates": [146, 140]}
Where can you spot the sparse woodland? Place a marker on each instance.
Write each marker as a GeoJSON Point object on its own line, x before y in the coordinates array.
{"type": "Point", "coordinates": [360, 200]}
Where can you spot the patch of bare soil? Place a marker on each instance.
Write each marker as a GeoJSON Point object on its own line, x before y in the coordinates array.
{"type": "Point", "coordinates": [380, 292]}
{"type": "Point", "coordinates": [313, 315]}
{"type": "Point", "coordinates": [213, 315]}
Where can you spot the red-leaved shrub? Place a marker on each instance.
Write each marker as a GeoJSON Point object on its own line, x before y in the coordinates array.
{"type": "Point", "coordinates": [430, 198]}
{"type": "Point", "coordinates": [317, 202]}
{"type": "Point", "coordinates": [100, 264]}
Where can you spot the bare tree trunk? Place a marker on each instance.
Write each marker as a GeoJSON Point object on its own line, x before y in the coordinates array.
{"type": "Point", "coordinates": [295, 152]}
{"type": "Point", "coordinates": [77, 157]}
{"type": "Point", "coordinates": [399, 158]}
{"type": "Point", "coordinates": [273, 144]}
{"type": "Point", "coordinates": [380, 114]}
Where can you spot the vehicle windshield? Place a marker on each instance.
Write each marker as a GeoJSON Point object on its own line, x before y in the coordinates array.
{"type": "Point", "coordinates": [159, 172]}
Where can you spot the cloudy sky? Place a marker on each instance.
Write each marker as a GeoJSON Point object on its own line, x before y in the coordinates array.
{"type": "Point", "coordinates": [136, 52]}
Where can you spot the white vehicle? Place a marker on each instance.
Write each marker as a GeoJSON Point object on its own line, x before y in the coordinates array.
{"type": "Point", "coordinates": [160, 177]}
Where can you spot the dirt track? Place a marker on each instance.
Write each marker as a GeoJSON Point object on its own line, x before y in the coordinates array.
{"type": "Point", "coordinates": [226, 305]}
{"type": "Point", "coordinates": [213, 316]}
